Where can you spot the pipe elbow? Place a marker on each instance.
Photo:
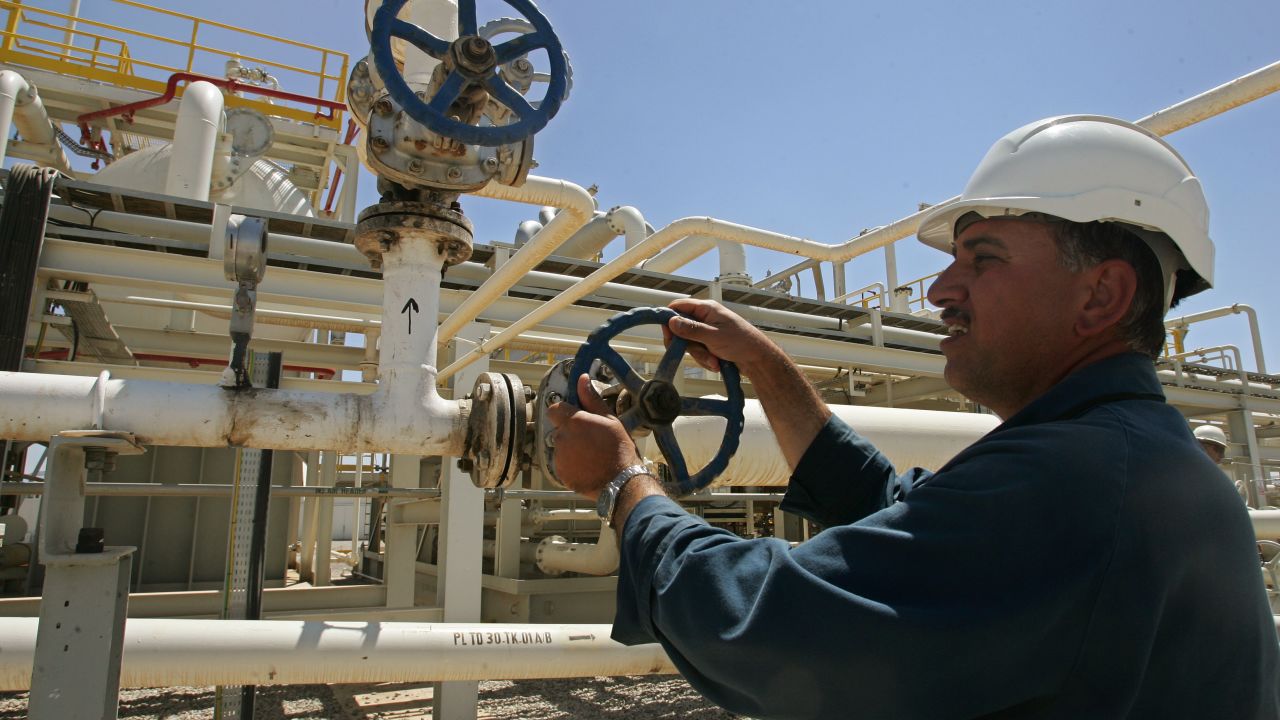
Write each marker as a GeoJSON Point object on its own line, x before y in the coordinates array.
{"type": "Point", "coordinates": [13, 85]}
{"type": "Point", "coordinates": [556, 556]}
{"type": "Point", "coordinates": [203, 101]}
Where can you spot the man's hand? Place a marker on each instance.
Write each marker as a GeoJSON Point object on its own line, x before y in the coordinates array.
{"type": "Point", "coordinates": [591, 445]}
{"type": "Point", "coordinates": [717, 333]}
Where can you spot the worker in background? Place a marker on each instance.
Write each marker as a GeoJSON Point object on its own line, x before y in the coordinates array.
{"type": "Point", "coordinates": [1213, 441]}
{"type": "Point", "coordinates": [1082, 560]}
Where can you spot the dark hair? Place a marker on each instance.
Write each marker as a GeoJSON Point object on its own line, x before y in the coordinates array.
{"type": "Point", "coordinates": [1084, 245]}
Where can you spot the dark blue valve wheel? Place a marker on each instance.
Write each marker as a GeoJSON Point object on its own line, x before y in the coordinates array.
{"type": "Point", "coordinates": [657, 402]}
{"type": "Point", "coordinates": [474, 61]}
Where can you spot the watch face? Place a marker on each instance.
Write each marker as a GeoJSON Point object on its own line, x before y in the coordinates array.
{"type": "Point", "coordinates": [604, 503]}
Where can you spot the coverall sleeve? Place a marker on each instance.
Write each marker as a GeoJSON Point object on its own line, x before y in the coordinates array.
{"type": "Point", "coordinates": [959, 601]}
{"type": "Point", "coordinates": [843, 478]}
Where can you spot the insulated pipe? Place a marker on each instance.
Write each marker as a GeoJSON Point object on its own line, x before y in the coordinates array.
{"type": "Point", "coordinates": [909, 438]}
{"type": "Point", "coordinates": [589, 240]}
{"type": "Point", "coordinates": [556, 555]}
{"type": "Point", "coordinates": [21, 106]}
{"type": "Point", "coordinates": [1266, 524]}
{"type": "Point", "coordinates": [655, 243]}
{"type": "Point", "coordinates": [733, 263]}
{"type": "Point", "coordinates": [627, 221]}
{"type": "Point", "coordinates": [159, 653]}
{"type": "Point", "coordinates": [576, 209]}
{"type": "Point", "coordinates": [679, 255]}
{"type": "Point", "coordinates": [438, 17]}
{"type": "Point", "coordinates": [1238, 308]}
{"type": "Point", "coordinates": [195, 140]}
{"type": "Point", "coordinates": [526, 231]}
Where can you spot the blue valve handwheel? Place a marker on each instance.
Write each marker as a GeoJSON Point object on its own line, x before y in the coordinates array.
{"type": "Point", "coordinates": [657, 401]}
{"type": "Point", "coordinates": [432, 113]}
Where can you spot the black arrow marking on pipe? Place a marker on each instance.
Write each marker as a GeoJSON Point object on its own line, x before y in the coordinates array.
{"type": "Point", "coordinates": [412, 305]}
{"type": "Point", "coordinates": [592, 636]}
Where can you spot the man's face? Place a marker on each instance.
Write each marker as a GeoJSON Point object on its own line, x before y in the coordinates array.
{"type": "Point", "coordinates": [1215, 451]}
{"type": "Point", "coordinates": [1010, 311]}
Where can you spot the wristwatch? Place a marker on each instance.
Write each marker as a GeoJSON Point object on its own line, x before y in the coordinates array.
{"type": "Point", "coordinates": [608, 500]}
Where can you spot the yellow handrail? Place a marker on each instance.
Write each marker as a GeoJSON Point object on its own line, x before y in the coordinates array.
{"type": "Point", "coordinates": [22, 45]}
{"type": "Point", "coordinates": [918, 298]}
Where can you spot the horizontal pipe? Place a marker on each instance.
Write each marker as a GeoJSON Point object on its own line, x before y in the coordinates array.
{"type": "Point", "coordinates": [1266, 524]}
{"type": "Point", "coordinates": [140, 489]}
{"type": "Point", "coordinates": [38, 406]}
{"type": "Point", "coordinates": [1255, 331]}
{"type": "Point", "coordinates": [909, 438]}
{"type": "Point", "coordinates": [159, 653]}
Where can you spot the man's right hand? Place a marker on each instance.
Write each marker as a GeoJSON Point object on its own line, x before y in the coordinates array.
{"type": "Point", "coordinates": [717, 333]}
{"type": "Point", "coordinates": [795, 411]}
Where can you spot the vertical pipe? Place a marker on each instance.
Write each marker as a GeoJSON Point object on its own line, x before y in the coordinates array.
{"type": "Point", "coordinates": [411, 275]}
{"type": "Point", "coordinates": [438, 17]}
{"type": "Point", "coordinates": [195, 526]}
{"type": "Point", "coordinates": [324, 520]}
{"type": "Point", "coordinates": [307, 550]}
{"type": "Point", "coordinates": [11, 84]}
{"type": "Point", "coordinates": [69, 37]}
{"type": "Point", "coordinates": [195, 140]}
{"type": "Point", "coordinates": [146, 523]}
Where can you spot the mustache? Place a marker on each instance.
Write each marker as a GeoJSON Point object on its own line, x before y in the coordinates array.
{"type": "Point", "coordinates": [951, 312]}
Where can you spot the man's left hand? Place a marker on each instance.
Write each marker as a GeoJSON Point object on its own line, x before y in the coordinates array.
{"type": "Point", "coordinates": [591, 445]}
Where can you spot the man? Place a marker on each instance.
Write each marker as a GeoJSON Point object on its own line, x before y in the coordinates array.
{"type": "Point", "coordinates": [1080, 561]}
{"type": "Point", "coordinates": [1213, 441]}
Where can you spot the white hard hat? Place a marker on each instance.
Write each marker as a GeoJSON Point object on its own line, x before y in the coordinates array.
{"type": "Point", "coordinates": [1211, 434]}
{"type": "Point", "coordinates": [1086, 168]}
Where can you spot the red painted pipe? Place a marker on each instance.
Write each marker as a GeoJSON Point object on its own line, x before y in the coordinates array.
{"type": "Point", "coordinates": [171, 90]}
{"type": "Point", "coordinates": [322, 373]}
{"type": "Point", "coordinates": [352, 129]}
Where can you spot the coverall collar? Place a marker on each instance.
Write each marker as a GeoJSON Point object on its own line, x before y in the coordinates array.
{"type": "Point", "coordinates": [1127, 376]}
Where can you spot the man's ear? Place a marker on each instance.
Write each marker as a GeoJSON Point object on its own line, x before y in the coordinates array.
{"type": "Point", "coordinates": [1112, 285]}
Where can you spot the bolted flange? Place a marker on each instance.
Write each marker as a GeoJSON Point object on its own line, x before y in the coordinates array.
{"type": "Point", "coordinates": [387, 223]}
{"type": "Point", "coordinates": [497, 445]}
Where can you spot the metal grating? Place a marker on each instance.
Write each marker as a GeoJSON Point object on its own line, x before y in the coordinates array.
{"type": "Point", "coordinates": [88, 327]}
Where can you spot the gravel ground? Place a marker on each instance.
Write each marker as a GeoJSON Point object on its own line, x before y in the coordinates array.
{"type": "Point", "coordinates": [603, 698]}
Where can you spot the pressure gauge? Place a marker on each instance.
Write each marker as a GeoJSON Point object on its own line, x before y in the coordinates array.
{"type": "Point", "coordinates": [251, 132]}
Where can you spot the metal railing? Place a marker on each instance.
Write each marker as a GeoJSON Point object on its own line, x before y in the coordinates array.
{"type": "Point", "coordinates": [95, 50]}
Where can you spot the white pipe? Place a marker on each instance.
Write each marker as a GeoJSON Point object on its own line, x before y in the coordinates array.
{"type": "Point", "coordinates": [1244, 89]}
{"type": "Point", "coordinates": [587, 242]}
{"type": "Point", "coordinates": [576, 209]}
{"type": "Point", "coordinates": [685, 227]}
{"type": "Point", "coordinates": [195, 140]}
{"type": "Point", "coordinates": [404, 415]}
{"type": "Point", "coordinates": [909, 438]}
{"type": "Point", "coordinates": [1254, 329]}
{"type": "Point", "coordinates": [1266, 524]}
{"type": "Point", "coordinates": [557, 555]}
{"type": "Point", "coordinates": [541, 516]}
{"type": "Point", "coordinates": [21, 106]}
{"type": "Point", "coordinates": [69, 37]}
{"type": "Point", "coordinates": [159, 653]}
{"type": "Point", "coordinates": [679, 255]}
{"type": "Point", "coordinates": [438, 17]}
{"type": "Point", "coordinates": [733, 263]}
{"type": "Point", "coordinates": [198, 234]}
{"type": "Point", "coordinates": [627, 221]}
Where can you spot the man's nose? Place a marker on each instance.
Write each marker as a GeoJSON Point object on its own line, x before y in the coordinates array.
{"type": "Point", "coordinates": [947, 288]}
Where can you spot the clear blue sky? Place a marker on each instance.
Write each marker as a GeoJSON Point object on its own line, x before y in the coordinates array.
{"type": "Point", "coordinates": [820, 119]}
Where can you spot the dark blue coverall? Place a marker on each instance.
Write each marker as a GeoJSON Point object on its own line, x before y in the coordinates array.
{"type": "Point", "coordinates": [1085, 559]}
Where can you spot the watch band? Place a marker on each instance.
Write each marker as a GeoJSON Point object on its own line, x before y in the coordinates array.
{"type": "Point", "coordinates": [607, 503]}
